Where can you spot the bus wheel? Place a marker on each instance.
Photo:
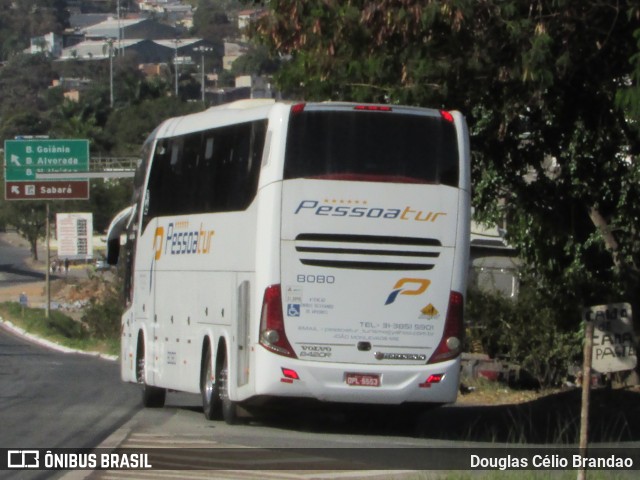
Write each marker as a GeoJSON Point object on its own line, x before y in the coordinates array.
{"type": "Point", "coordinates": [229, 410]}
{"type": "Point", "coordinates": [152, 397]}
{"type": "Point", "coordinates": [211, 401]}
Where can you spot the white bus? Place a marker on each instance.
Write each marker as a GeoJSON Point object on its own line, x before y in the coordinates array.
{"type": "Point", "coordinates": [298, 250]}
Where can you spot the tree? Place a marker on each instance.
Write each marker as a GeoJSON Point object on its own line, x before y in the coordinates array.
{"type": "Point", "coordinates": [129, 126]}
{"type": "Point", "coordinates": [256, 61]}
{"type": "Point", "coordinates": [29, 219]}
{"type": "Point", "coordinates": [23, 81]}
{"type": "Point", "coordinates": [211, 21]}
{"type": "Point", "coordinates": [20, 21]}
{"type": "Point", "coordinates": [541, 83]}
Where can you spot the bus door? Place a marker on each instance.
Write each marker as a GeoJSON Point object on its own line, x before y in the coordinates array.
{"type": "Point", "coordinates": [242, 332]}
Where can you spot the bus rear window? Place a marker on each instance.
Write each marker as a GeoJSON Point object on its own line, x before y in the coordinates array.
{"type": "Point", "coordinates": [371, 146]}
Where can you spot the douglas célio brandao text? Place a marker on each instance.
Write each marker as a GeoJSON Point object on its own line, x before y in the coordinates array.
{"type": "Point", "coordinates": [549, 461]}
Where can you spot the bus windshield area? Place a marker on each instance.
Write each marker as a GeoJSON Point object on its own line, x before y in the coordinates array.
{"type": "Point", "coordinates": [371, 146]}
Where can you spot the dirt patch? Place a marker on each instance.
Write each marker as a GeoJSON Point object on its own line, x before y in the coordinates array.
{"type": "Point", "coordinates": [550, 418]}
{"type": "Point", "coordinates": [35, 292]}
{"type": "Point", "coordinates": [499, 395]}
{"type": "Point", "coordinates": [67, 295]}
{"type": "Point", "coordinates": [78, 291]}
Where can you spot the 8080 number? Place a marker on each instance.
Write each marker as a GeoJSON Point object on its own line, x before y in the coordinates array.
{"type": "Point", "coordinates": [321, 279]}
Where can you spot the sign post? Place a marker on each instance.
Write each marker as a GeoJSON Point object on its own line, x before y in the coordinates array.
{"type": "Point", "coordinates": [25, 159]}
{"type": "Point", "coordinates": [47, 274]}
{"type": "Point", "coordinates": [75, 236]}
{"type": "Point", "coordinates": [614, 344]}
{"type": "Point", "coordinates": [610, 346]}
{"type": "Point", "coordinates": [586, 395]}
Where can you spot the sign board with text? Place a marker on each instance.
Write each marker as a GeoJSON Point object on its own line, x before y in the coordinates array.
{"type": "Point", "coordinates": [25, 159]}
{"type": "Point", "coordinates": [47, 190]}
{"type": "Point", "coordinates": [614, 341]}
{"type": "Point", "coordinates": [74, 232]}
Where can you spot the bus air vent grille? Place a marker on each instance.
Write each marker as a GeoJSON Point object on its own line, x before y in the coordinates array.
{"type": "Point", "coordinates": [367, 252]}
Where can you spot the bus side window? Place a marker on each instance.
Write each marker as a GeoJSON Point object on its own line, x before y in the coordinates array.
{"type": "Point", "coordinates": [153, 193]}
{"type": "Point", "coordinates": [189, 194]}
{"type": "Point", "coordinates": [239, 161]}
{"type": "Point", "coordinates": [204, 174]}
{"type": "Point", "coordinates": [210, 171]}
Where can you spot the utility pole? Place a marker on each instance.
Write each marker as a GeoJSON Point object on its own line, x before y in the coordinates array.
{"type": "Point", "coordinates": [175, 64]}
{"type": "Point", "coordinates": [202, 49]}
{"type": "Point", "coordinates": [48, 265]}
{"type": "Point", "coordinates": [110, 43]}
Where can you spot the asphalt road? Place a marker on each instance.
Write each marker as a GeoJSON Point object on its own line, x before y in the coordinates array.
{"type": "Point", "coordinates": [12, 267]}
{"type": "Point", "coordinates": [56, 400]}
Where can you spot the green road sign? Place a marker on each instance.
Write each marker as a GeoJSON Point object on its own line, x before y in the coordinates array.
{"type": "Point", "coordinates": [24, 159]}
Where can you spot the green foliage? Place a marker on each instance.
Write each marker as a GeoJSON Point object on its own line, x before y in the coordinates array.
{"type": "Point", "coordinates": [538, 83]}
{"type": "Point", "coordinates": [210, 20]}
{"type": "Point", "coordinates": [24, 103]}
{"type": "Point", "coordinates": [130, 125]}
{"type": "Point", "coordinates": [531, 331]}
{"type": "Point", "coordinates": [106, 199]}
{"type": "Point", "coordinates": [102, 317]}
{"type": "Point", "coordinates": [19, 21]}
{"type": "Point", "coordinates": [57, 327]}
{"type": "Point", "coordinates": [29, 106]}
{"type": "Point", "coordinates": [256, 61]}
{"type": "Point", "coordinates": [28, 218]}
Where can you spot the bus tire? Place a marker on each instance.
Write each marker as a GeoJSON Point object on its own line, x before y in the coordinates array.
{"type": "Point", "coordinates": [211, 401]}
{"type": "Point", "coordinates": [229, 408]}
{"type": "Point", "coordinates": [152, 397]}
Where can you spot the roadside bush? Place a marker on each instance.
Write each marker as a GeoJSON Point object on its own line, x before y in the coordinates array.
{"type": "Point", "coordinates": [57, 327]}
{"type": "Point", "coordinates": [528, 331]}
{"type": "Point", "coordinates": [102, 315]}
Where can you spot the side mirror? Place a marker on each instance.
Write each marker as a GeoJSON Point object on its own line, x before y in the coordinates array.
{"type": "Point", "coordinates": [113, 250]}
{"type": "Point", "coordinates": [118, 226]}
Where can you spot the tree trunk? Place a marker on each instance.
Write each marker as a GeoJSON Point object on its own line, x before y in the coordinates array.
{"type": "Point", "coordinates": [609, 240]}
{"type": "Point", "coordinates": [34, 248]}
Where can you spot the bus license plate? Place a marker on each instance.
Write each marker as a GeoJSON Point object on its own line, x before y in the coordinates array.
{"type": "Point", "coordinates": [363, 380]}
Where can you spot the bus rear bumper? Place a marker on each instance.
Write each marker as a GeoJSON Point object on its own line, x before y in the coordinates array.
{"type": "Point", "coordinates": [355, 383]}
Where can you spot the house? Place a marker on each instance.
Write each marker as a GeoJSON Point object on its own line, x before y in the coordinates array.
{"type": "Point", "coordinates": [232, 51]}
{"type": "Point", "coordinates": [245, 17]}
{"type": "Point", "coordinates": [80, 21]}
{"type": "Point", "coordinates": [50, 44]}
{"type": "Point", "coordinates": [161, 6]}
{"type": "Point", "coordinates": [147, 51]}
{"type": "Point", "coordinates": [493, 263]}
{"type": "Point", "coordinates": [172, 11]}
{"type": "Point", "coordinates": [129, 28]}
{"type": "Point", "coordinates": [187, 47]}
{"type": "Point", "coordinates": [71, 87]}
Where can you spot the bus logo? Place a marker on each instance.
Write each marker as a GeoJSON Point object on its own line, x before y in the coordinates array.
{"type": "Point", "coordinates": [23, 459]}
{"type": "Point", "coordinates": [362, 210]}
{"type": "Point", "coordinates": [180, 239]}
{"type": "Point", "coordinates": [417, 286]}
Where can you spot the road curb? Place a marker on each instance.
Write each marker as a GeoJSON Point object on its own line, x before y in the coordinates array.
{"type": "Point", "coordinates": [6, 324]}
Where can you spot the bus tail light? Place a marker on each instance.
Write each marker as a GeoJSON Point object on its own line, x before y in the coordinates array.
{"type": "Point", "coordinates": [446, 116]}
{"type": "Point", "coordinates": [433, 378]}
{"type": "Point", "coordinates": [272, 334]}
{"type": "Point", "coordinates": [451, 343]}
{"type": "Point", "coordinates": [373, 108]}
{"type": "Point", "coordinates": [289, 375]}
{"type": "Point", "coordinates": [298, 108]}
